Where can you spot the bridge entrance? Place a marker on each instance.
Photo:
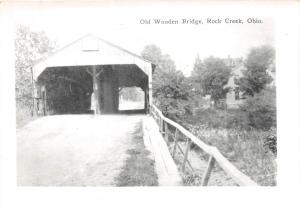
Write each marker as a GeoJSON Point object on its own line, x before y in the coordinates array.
{"type": "Point", "coordinates": [75, 90]}
{"type": "Point", "coordinates": [89, 78]}
{"type": "Point", "coordinates": [64, 90]}
{"type": "Point", "coordinates": [131, 98]}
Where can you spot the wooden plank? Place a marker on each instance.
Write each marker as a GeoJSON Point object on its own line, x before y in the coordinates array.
{"type": "Point", "coordinates": [187, 160]}
{"type": "Point", "coordinates": [180, 149]}
{"type": "Point", "coordinates": [92, 74]}
{"type": "Point", "coordinates": [99, 73]}
{"type": "Point", "coordinates": [188, 145]}
{"type": "Point", "coordinates": [175, 142]}
{"type": "Point", "coordinates": [190, 165]}
{"type": "Point", "coordinates": [89, 72]}
{"type": "Point", "coordinates": [208, 171]}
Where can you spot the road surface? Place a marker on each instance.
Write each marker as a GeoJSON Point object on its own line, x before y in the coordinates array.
{"type": "Point", "coordinates": [74, 150]}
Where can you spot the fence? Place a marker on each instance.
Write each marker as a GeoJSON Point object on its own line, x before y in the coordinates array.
{"type": "Point", "coordinates": [214, 154]}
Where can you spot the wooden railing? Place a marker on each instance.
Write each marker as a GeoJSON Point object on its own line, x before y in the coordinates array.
{"type": "Point", "coordinates": [214, 154]}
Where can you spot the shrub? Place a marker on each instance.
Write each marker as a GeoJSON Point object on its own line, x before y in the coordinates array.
{"type": "Point", "coordinates": [270, 141]}
{"type": "Point", "coordinates": [175, 109]}
{"type": "Point", "coordinates": [246, 149]}
{"type": "Point", "coordinates": [261, 109]}
{"type": "Point", "coordinates": [218, 118]}
{"type": "Point", "coordinates": [24, 113]}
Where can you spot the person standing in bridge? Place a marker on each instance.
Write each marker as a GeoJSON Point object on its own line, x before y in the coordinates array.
{"type": "Point", "coordinates": [94, 104]}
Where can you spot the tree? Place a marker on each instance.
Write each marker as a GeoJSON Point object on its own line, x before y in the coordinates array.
{"type": "Point", "coordinates": [165, 66]}
{"type": "Point", "coordinates": [261, 109]}
{"type": "Point", "coordinates": [197, 72]}
{"type": "Point", "coordinates": [256, 77]}
{"type": "Point", "coordinates": [170, 88]}
{"type": "Point", "coordinates": [198, 68]}
{"type": "Point", "coordinates": [211, 76]}
{"type": "Point", "coordinates": [29, 47]}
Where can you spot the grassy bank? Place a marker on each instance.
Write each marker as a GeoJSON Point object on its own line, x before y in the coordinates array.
{"type": "Point", "coordinates": [139, 169]}
{"type": "Point", "coordinates": [251, 150]}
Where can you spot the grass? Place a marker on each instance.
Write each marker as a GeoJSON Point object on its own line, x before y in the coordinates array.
{"type": "Point", "coordinates": [139, 169]}
{"type": "Point", "coordinates": [218, 118]}
{"type": "Point", "coordinates": [245, 149]}
{"type": "Point", "coordinates": [251, 150]}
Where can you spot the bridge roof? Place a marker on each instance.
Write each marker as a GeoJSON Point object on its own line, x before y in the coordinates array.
{"type": "Point", "coordinates": [91, 50]}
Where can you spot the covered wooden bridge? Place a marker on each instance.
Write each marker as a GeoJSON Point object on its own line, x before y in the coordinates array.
{"type": "Point", "coordinates": [86, 76]}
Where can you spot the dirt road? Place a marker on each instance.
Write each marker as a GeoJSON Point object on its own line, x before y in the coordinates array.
{"type": "Point", "coordinates": [74, 150]}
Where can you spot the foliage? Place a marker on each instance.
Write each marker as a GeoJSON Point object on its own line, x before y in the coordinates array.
{"type": "Point", "coordinates": [198, 69]}
{"type": "Point", "coordinates": [246, 149]}
{"type": "Point", "coordinates": [256, 77]}
{"type": "Point", "coordinates": [218, 118]}
{"type": "Point", "coordinates": [190, 179]}
{"type": "Point", "coordinates": [132, 94]}
{"type": "Point", "coordinates": [258, 112]}
{"type": "Point", "coordinates": [170, 88]}
{"type": "Point", "coordinates": [246, 136]}
{"type": "Point", "coordinates": [29, 47]}
{"type": "Point", "coordinates": [261, 109]}
{"type": "Point", "coordinates": [270, 142]}
{"type": "Point", "coordinates": [211, 77]}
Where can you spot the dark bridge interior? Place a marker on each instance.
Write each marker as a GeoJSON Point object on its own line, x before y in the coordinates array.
{"type": "Point", "coordinates": [71, 90]}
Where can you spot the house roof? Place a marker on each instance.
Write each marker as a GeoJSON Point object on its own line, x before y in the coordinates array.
{"type": "Point", "coordinates": [81, 53]}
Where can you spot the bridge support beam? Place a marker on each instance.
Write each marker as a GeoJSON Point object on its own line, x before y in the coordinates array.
{"type": "Point", "coordinates": [96, 90]}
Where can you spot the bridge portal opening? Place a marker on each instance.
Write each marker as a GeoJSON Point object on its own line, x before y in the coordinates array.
{"type": "Point", "coordinates": [64, 90]}
{"type": "Point", "coordinates": [93, 89]}
{"type": "Point", "coordinates": [86, 75]}
{"type": "Point", "coordinates": [131, 98]}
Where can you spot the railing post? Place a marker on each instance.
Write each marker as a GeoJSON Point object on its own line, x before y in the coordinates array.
{"type": "Point", "coordinates": [161, 125]}
{"type": "Point", "coordinates": [208, 171]}
{"type": "Point", "coordinates": [186, 154]}
{"type": "Point", "coordinates": [175, 142]}
{"type": "Point", "coordinates": [166, 132]}
{"type": "Point", "coordinates": [215, 155]}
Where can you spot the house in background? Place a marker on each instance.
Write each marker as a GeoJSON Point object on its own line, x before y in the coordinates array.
{"type": "Point", "coordinates": [234, 97]}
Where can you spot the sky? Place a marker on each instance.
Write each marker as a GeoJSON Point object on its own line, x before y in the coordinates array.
{"type": "Point", "coordinates": [121, 25]}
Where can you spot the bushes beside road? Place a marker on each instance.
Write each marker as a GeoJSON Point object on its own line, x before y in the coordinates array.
{"type": "Point", "coordinates": [246, 136]}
